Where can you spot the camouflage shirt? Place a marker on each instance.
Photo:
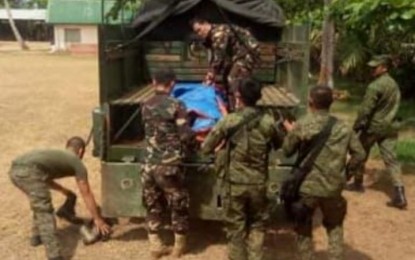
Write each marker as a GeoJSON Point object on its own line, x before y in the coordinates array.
{"type": "Point", "coordinates": [327, 176]}
{"type": "Point", "coordinates": [227, 48]}
{"type": "Point", "coordinates": [380, 105]}
{"type": "Point", "coordinates": [166, 129]}
{"type": "Point", "coordinates": [250, 145]}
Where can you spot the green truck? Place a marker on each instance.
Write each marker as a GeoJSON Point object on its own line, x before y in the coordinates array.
{"type": "Point", "coordinates": [128, 55]}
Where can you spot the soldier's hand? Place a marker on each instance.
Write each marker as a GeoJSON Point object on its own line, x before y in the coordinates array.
{"type": "Point", "coordinates": [289, 126]}
{"type": "Point", "coordinates": [102, 226]}
{"type": "Point", "coordinates": [209, 78]}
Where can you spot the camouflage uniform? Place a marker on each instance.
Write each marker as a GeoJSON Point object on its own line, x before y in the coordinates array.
{"type": "Point", "coordinates": [322, 187]}
{"type": "Point", "coordinates": [246, 207]}
{"type": "Point", "coordinates": [31, 173]}
{"type": "Point", "coordinates": [231, 57]}
{"type": "Point", "coordinates": [166, 132]}
{"type": "Point", "coordinates": [376, 122]}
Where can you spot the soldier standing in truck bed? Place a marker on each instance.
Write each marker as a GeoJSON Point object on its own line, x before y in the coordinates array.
{"type": "Point", "coordinates": [235, 52]}
{"type": "Point", "coordinates": [34, 173]}
{"type": "Point", "coordinates": [167, 131]}
{"type": "Point", "coordinates": [250, 134]}
{"type": "Point", "coordinates": [377, 124]}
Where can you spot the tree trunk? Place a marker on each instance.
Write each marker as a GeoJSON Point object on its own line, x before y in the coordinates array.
{"type": "Point", "coordinates": [16, 33]}
{"type": "Point", "coordinates": [327, 50]}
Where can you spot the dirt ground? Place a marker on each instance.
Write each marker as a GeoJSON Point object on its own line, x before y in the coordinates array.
{"type": "Point", "coordinates": [46, 98]}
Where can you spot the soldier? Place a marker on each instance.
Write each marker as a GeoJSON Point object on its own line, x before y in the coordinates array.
{"type": "Point", "coordinates": [250, 134]}
{"type": "Point", "coordinates": [322, 186]}
{"type": "Point", "coordinates": [167, 131]}
{"type": "Point", "coordinates": [377, 124]}
{"type": "Point", "coordinates": [235, 52]}
{"type": "Point", "coordinates": [35, 172]}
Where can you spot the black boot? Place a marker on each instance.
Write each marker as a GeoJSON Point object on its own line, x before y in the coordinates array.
{"type": "Point", "coordinates": [399, 198]}
{"type": "Point", "coordinates": [56, 258]}
{"type": "Point", "coordinates": [355, 186]}
{"type": "Point", "coordinates": [35, 241]}
{"type": "Point", "coordinates": [67, 210]}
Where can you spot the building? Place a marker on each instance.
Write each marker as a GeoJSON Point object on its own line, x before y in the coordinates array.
{"type": "Point", "coordinates": [75, 23]}
{"type": "Point", "coordinates": [31, 24]}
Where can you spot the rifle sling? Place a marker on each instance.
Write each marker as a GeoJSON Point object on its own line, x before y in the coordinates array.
{"type": "Point", "coordinates": [307, 159]}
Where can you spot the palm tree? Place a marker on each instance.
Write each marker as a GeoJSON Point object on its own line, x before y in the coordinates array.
{"type": "Point", "coordinates": [16, 33]}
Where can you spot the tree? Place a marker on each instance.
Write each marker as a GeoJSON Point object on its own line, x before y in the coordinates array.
{"type": "Point", "coordinates": [22, 44]}
{"type": "Point", "coordinates": [327, 49]}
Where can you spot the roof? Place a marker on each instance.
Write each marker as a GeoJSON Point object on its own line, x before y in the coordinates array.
{"type": "Point", "coordinates": [264, 17]}
{"type": "Point", "coordinates": [25, 14]}
{"type": "Point", "coordinates": [78, 11]}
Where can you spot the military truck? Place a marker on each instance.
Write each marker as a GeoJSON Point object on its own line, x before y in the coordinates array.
{"type": "Point", "coordinates": [129, 51]}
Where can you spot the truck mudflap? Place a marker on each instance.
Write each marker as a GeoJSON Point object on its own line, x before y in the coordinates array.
{"type": "Point", "coordinates": [122, 191]}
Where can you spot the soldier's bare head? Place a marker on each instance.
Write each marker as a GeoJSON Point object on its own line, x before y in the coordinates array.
{"type": "Point", "coordinates": [320, 98]}
{"type": "Point", "coordinates": [164, 79]}
{"type": "Point", "coordinates": [248, 92]}
{"type": "Point", "coordinates": [76, 145]}
{"type": "Point", "coordinates": [201, 27]}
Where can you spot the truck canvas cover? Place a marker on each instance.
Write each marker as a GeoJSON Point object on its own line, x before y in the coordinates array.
{"type": "Point", "coordinates": [169, 19]}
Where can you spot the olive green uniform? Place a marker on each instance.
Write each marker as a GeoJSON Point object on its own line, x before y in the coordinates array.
{"type": "Point", "coordinates": [246, 205]}
{"type": "Point", "coordinates": [376, 122]}
{"type": "Point", "coordinates": [31, 173]}
{"type": "Point", "coordinates": [323, 185]}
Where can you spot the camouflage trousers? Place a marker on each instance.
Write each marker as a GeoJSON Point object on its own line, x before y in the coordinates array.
{"type": "Point", "coordinates": [163, 189]}
{"type": "Point", "coordinates": [334, 211]}
{"type": "Point", "coordinates": [246, 214]}
{"type": "Point", "coordinates": [387, 146]}
{"type": "Point", "coordinates": [32, 181]}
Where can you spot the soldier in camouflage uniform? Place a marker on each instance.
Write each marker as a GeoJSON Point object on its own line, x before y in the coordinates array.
{"type": "Point", "coordinates": [377, 124]}
{"type": "Point", "coordinates": [235, 52]}
{"type": "Point", "coordinates": [34, 173]}
{"type": "Point", "coordinates": [246, 205]}
{"type": "Point", "coordinates": [323, 185]}
{"type": "Point", "coordinates": [167, 132]}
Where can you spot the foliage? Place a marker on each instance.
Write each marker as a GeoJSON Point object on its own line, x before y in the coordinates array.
{"type": "Point", "coordinates": [367, 27]}
{"type": "Point", "coordinates": [125, 5]}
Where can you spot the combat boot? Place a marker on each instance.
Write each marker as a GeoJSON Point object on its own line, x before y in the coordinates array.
{"type": "Point", "coordinates": [35, 241]}
{"type": "Point", "coordinates": [67, 210]}
{"type": "Point", "coordinates": [56, 258]}
{"type": "Point", "coordinates": [399, 198]}
{"type": "Point", "coordinates": [157, 248]}
{"type": "Point", "coordinates": [179, 245]}
{"type": "Point", "coordinates": [356, 186]}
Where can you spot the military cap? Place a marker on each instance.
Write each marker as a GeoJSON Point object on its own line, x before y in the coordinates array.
{"type": "Point", "coordinates": [379, 60]}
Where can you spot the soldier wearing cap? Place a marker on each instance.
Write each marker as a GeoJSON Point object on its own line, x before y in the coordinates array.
{"type": "Point", "coordinates": [376, 123]}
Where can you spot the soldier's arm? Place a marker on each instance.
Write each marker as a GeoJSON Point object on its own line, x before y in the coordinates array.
{"type": "Point", "coordinates": [91, 205]}
{"type": "Point", "coordinates": [292, 140]}
{"type": "Point", "coordinates": [183, 125]}
{"type": "Point", "coordinates": [219, 46]}
{"type": "Point", "coordinates": [214, 138]}
{"type": "Point", "coordinates": [59, 188]}
{"type": "Point", "coordinates": [367, 107]}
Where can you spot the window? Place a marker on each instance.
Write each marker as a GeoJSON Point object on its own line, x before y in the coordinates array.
{"type": "Point", "coordinates": [73, 35]}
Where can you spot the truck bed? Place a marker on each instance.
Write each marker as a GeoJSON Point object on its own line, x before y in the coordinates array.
{"type": "Point", "coordinates": [272, 96]}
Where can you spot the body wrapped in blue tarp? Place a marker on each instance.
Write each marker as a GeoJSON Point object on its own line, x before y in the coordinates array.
{"type": "Point", "coordinates": [203, 102]}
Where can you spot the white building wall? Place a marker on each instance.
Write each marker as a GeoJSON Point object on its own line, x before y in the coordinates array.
{"type": "Point", "coordinates": [89, 35]}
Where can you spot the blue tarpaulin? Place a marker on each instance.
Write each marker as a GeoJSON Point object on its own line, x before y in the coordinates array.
{"type": "Point", "coordinates": [201, 100]}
